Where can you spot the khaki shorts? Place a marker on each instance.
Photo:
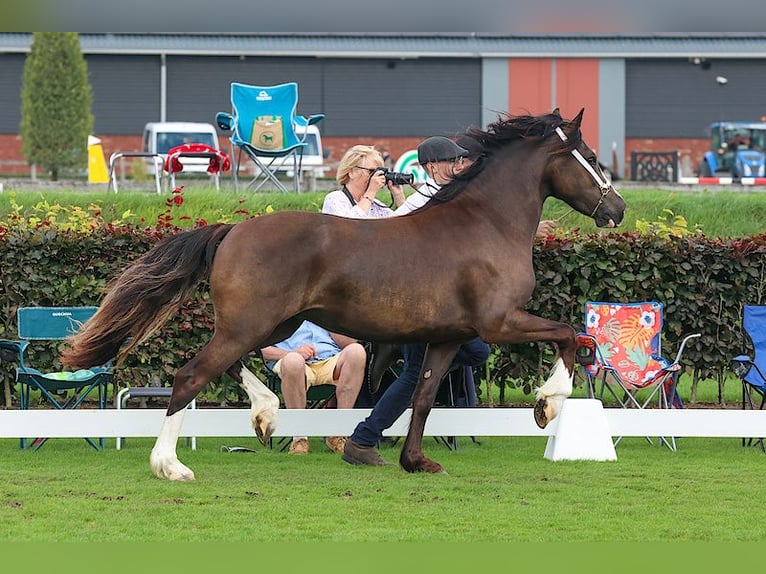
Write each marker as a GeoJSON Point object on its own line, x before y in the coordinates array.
{"type": "Point", "coordinates": [317, 373]}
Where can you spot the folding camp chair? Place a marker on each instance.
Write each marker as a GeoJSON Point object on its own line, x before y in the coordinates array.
{"type": "Point", "coordinates": [752, 370]}
{"type": "Point", "coordinates": [64, 390]}
{"type": "Point", "coordinates": [621, 347]}
{"type": "Point", "coordinates": [263, 125]}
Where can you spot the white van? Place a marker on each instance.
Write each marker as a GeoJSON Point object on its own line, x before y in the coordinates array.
{"type": "Point", "coordinates": [159, 137]}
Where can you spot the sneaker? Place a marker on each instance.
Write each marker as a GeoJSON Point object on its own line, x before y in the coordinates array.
{"type": "Point", "coordinates": [300, 446]}
{"type": "Point", "coordinates": [336, 443]}
{"type": "Point", "coordinates": [354, 453]}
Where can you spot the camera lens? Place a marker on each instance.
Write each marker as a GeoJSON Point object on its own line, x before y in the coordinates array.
{"type": "Point", "coordinates": [398, 178]}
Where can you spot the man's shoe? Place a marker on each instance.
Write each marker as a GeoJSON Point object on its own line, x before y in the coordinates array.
{"type": "Point", "coordinates": [300, 446]}
{"type": "Point", "coordinates": [335, 443]}
{"type": "Point", "coordinates": [354, 453]}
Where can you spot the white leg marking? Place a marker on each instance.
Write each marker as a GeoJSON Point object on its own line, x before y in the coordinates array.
{"type": "Point", "coordinates": [264, 405]}
{"type": "Point", "coordinates": [163, 460]}
{"type": "Point", "coordinates": [557, 388]}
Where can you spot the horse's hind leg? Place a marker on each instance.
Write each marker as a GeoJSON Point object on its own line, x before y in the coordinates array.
{"type": "Point", "coordinates": [435, 363]}
{"type": "Point", "coordinates": [164, 460]}
{"type": "Point", "coordinates": [218, 355]}
{"type": "Point", "coordinates": [264, 404]}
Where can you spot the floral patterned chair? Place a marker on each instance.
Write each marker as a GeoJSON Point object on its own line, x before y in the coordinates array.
{"type": "Point", "coordinates": [620, 351]}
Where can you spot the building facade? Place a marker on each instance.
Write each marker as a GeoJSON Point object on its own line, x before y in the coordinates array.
{"type": "Point", "coordinates": [640, 92]}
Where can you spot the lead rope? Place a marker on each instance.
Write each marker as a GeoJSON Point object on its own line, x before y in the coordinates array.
{"type": "Point", "coordinates": [600, 180]}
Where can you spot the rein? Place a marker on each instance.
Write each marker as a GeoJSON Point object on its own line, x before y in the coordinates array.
{"type": "Point", "coordinates": [599, 178]}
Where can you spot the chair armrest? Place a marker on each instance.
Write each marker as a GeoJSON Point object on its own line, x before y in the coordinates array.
{"type": "Point", "coordinates": [740, 365]}
{"type": "Point", "coordinates": [683, 344]}
{"type": "Point", "coordinates": [13, 351]}
{"type": "Point", "coordinates": [225, 121]}
{"type": "Point", "coordinates": [304, 121]}
{"type": "Point", "coordinates": [315, 119]}
{"type": "Point", "coordinates": [596, 358]}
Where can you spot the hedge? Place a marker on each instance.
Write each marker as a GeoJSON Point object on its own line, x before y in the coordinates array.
{"type": "Point", "coordinates": [702, 282]}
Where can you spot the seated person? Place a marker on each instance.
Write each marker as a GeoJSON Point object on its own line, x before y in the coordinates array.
{"type": "Point", "coordinates": [314, 356]}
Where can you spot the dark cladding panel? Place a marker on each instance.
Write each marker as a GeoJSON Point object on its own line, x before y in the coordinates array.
{"type": "Point", "coordinates": [199, 87]}
{"type": "Point", "coordinates": [414, 98]}
{"type": "Point", "coordinates": [11, 73]}
{"type": "Point", "coordinates": [676, 98]}
{"type": "Point", "coordinates": [126, 92]}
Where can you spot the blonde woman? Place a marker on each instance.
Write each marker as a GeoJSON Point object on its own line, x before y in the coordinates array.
{"type": "Point", "coordinates": [360, 182]}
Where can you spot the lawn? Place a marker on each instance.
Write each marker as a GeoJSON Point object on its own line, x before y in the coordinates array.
{"type": "Point", "coordinates": [716, 213]}
{"type": "Point", "coordinates": [500, 490]}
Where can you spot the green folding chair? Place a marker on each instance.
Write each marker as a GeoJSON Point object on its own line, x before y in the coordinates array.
{"type": "Point", "coordinates": [62, 389]}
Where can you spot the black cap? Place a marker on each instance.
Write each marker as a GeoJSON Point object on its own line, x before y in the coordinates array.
{"type": "Point", "coordinates": [474, 147]}
{"type": "Point", "coordinates": [439, 148]}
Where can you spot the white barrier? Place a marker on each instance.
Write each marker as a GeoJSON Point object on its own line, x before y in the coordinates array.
{"type": "Point", "coordinates": [329, 422]}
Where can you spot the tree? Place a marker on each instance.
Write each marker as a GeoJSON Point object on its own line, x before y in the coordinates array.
{"type": "Point", "coordinates": [56, 98]}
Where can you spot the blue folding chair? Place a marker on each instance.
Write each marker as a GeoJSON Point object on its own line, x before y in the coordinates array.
{"type": "Point", "coordinates": [266, 130]}
{"type": "Point", "coordinates": [751, 370]}
{"type": "Point", "coordinates": [64, 390]}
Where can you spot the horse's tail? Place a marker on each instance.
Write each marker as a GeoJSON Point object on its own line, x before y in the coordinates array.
{"type": "Point", "coordinates": [144, 296]}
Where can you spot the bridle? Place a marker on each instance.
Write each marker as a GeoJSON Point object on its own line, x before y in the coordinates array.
{"type": "Point", "coordinates": [599, 178]}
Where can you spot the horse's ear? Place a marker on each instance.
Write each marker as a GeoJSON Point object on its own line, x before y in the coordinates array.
{"type": "Point", "coordinates": [578, 118]}
{"type": "Point", "coordinates": [556, 112]}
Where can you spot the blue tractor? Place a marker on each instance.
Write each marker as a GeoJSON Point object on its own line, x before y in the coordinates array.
{"type": "Point", "coordinates": [736, 150]}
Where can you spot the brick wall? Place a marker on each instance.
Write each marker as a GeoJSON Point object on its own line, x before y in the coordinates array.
{"type": "Point", "coordinates": [690, 152]}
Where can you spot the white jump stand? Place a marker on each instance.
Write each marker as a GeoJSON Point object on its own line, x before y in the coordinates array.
{"type": "Point", "coordinates": [582, 433]}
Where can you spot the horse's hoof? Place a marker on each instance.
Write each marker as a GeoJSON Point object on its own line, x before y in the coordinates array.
{"type": "Point", "coordinates": [541, 418]}
{"type": "Point", "coordinates": [263, 430]}
{"type": "Point", "coordinates": [424, 465]}
{"type": "Point", "coordinates": [171, 470]}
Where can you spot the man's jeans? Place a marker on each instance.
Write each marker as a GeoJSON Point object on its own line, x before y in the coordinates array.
{"type": "Point", "coordinates": [398, 396]}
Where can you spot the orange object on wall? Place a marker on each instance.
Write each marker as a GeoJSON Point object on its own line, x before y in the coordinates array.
{"type": "Point", "coordinates": [529, 86]}
{"type": "Point", "coordinates": [530, 89]}
{"type": "Point", "coordinates": [577, 88]}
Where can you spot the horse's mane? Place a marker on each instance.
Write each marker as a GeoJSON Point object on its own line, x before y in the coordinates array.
{"type": "Point", "coordinates": [507, 129]}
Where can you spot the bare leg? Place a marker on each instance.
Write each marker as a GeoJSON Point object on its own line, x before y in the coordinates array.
{"type": "Point", "coordinates": [349, 375]}
{"type": "Point", "coordinates": [435, 363]}
{"type": "Point", "coordinates": [292, 374]}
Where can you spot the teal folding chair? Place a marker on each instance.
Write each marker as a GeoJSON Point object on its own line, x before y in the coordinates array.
{"type": "Point", "coordinates": [62, 389]}
{"type": "Point", "coordinates": [263, 123]}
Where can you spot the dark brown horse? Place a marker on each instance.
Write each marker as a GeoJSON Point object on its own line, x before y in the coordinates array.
{"type": "Point", "coordinates": [459, 267]}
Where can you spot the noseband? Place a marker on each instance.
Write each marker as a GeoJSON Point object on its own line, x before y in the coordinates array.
{"type": "Point", "coordinates": [599, 178]}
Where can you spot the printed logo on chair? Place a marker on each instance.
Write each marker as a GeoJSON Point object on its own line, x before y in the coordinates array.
{"type": "Point", "coordinates": [263, 96]}
{"type": "Point", "coordinates": [268, 133]}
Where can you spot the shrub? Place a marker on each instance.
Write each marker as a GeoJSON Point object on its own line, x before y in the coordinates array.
{"type": "Point", "coordinates": [65, 256]}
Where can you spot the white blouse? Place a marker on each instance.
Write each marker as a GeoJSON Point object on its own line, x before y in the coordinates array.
{"type": "Point", "coordinates": [337, 203]}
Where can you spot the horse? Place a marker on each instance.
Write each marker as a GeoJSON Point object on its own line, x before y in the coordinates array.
{"type": "Point", "coordinates": [457, 268]}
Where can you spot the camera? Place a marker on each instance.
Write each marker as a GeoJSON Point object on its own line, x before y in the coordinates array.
{"type": "Point", "coordinates": [396, 177]}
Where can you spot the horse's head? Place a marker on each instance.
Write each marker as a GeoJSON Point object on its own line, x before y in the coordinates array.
{"type": "Point", "coordinates": [574, 176]}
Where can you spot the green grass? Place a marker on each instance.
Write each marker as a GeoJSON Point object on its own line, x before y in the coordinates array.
{"type": "Point", "coordinates": [500, 490]}
{"type": "Point", "coordinates": [719, 213]}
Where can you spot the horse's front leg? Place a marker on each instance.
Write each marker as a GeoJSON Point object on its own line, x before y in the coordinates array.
{"type": "Point", "coordinates": [264, 404]}
{"type": "Point", "coordinates": [521, 327]}
{"type": "Point", "coordinates": [436, 361]}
